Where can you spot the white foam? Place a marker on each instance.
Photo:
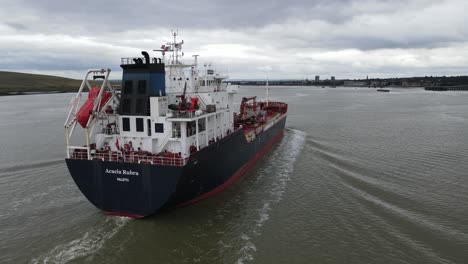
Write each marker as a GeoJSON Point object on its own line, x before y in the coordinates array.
{"type": "Point", "coordinates": [280, 168]}
{"type": "Point", "coordinates": [87, 245]}
{"type": "Point", "coordinates": [263, 214]}
{"type": "Point", "coordinates": [246, 251]}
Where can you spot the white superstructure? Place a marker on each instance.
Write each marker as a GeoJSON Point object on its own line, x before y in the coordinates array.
{"type": "Point", "coordinates": [189, 110]}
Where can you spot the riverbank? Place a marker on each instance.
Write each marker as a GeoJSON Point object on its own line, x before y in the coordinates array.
{"type": "Point", "coordinates": [16, 83]}
{"type": "Point", "coordinates": [30, 93]}
{"type": "Point", "coordinates": [447, 88]}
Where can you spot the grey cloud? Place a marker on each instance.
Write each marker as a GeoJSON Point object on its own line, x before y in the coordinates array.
{"type": "Point", "coordinates": [124, 15]}
{"type": "Point", "coordinates": [98, 18]}
{"type": "Point", "coordinates": [262, 33]}
{"type": "Point", "coordinates": [17, 26]}
{"type": "Point", "coordinates": [53, 63]}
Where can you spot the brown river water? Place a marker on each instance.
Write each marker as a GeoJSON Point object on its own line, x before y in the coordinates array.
{"type": "Point", "coordinates": [359, 177]}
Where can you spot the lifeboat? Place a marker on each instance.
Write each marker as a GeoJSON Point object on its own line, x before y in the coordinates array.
{"type": "Point", "coordinates": [84, 113]}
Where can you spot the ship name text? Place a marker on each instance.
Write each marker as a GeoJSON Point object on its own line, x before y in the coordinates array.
{"type": "Point", "coordinates": [122, 172]}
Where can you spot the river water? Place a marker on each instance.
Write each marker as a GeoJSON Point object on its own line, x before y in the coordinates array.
{"type": "Point", "coordinates": [359, 177]}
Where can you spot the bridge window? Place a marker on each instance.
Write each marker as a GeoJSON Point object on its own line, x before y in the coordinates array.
{"type": "Point", "coordinates": [142, 86]}
{"type": "Point", "coordinates": [148, 125]}
{"type": "Point", "coordinates": [139, 125]}
{"type": "Point", "coordinates": [159, 128]}
{"type": "Point", "coordinates": [128, 87]}
{"type": "Point", "coordinates": [126, 124]}
{"type": "Point", "coordinates": [126, 106]}
{"type": "Point", "coordinates": [201, 125]}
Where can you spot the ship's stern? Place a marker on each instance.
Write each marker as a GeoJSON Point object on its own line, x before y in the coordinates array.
{"type": "Point", "coordinates": [125, 189]}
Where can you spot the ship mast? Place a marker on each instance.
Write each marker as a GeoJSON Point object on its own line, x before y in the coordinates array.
{"type": "Point", "coordinates": [267, 88]}
{"type": "Point", "coordinates": [175, 48]}
{"type": "Point", "coordinates": [174, 52]}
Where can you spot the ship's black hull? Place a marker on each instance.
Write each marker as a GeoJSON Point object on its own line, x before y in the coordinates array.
{"type": "Point", "coordinates": [138, 190]}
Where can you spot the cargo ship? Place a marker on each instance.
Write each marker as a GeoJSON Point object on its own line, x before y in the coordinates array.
{"type": "Point", "coordinates": [169, 137]}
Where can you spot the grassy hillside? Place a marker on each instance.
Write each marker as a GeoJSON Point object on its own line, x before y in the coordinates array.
{"type": "Point", "coordinates": [15, 82]}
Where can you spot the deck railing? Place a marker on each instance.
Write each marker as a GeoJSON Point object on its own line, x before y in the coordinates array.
{"type": "Point", "coordinates": [130, 157]}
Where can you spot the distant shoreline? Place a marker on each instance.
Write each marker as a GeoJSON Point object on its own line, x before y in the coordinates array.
{"type": "Point", "coordinates": [446, 88]}
{"type": "Point", "coordinates": [31, 93]}
{"type": "Point", "coordinates": [15, 83]}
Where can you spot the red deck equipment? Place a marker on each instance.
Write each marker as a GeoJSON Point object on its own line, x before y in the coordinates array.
{"type": "Point", "coordinates": [84, 113]}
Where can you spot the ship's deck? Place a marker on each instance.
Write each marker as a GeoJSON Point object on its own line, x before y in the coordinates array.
{"type": "Point", "coordinates": [273, 113]}
{"type": "Point", "coordinates": [144, 157]}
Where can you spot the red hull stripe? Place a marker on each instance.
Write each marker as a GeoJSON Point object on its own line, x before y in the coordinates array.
{"type": "Point", "coordinates": [237, 174]}
{"type": "Point", "coordinates": [124, 214]}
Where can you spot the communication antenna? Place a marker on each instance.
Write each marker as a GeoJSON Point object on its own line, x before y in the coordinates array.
{"type": "Point", "coordinates": [174, 50]}
{"type": "Point", "coordinates": [163, 52]}
{"type": "Point", "coordinates": [196, 59]}
{"type": "Point", "coordinates": [267, 88]}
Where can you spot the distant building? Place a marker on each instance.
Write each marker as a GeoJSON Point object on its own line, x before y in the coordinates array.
{"type": "Point", "coordinates": [355, 83]}
{"type": "Point", "coordinates": [317, 78]}
{"type": "Point", "coordinates": [332, 82]}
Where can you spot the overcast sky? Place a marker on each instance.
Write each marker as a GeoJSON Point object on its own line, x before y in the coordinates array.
{"type": "Point", "coordinates": [250, 39]}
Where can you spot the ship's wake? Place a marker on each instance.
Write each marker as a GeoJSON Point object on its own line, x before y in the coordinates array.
{"type": "Point", "coordinates": [277, 173]}
{"type": "Point", "coordinates": [87, 245]}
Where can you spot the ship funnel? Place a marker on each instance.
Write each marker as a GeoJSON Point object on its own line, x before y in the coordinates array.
{"type": "Point", "coordinates": [147, 58]}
